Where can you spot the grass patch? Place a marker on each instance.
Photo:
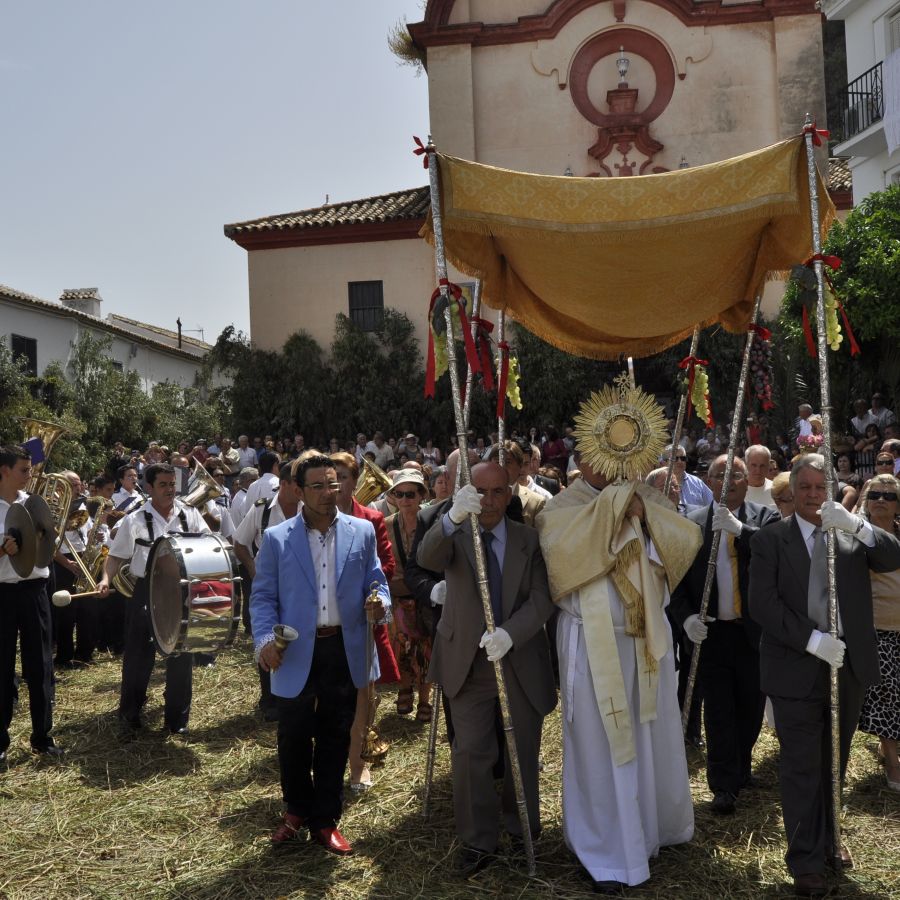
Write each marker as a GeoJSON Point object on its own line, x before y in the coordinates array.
{"type": "Point", "coordinates": [159, 816]}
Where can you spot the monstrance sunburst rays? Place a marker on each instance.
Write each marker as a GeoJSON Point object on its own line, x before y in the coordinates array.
{"type": "Point", "coordinates": [620, 431]}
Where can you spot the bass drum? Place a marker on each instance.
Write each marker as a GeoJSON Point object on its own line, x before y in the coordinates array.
{"type": "Point", "coordinates": [195, 593]}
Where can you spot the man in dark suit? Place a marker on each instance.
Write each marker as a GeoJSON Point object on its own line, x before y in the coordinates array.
{"type": "Point", "coordinates": [520, 598]}
{"type": "Point", "coordinates": [728, 672]}
{"type": "Point", "coordinates": [789, 599]}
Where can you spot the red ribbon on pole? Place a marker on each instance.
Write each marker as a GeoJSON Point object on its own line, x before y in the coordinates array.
{"type": "Point", "coordinates": [455, 291]}
{"type": "Point", "coordinates": [690, 363]}
{"type": "Point", "coordinates": [854, 347]}
{"type": "Point", "coordinates": [503, 347]}
{"type": "Point", "coordinates": [817, 133]}
{"type": "Point", "coordinates": [807, 333]}
{"type": "Point", "coordinates": [761, 332]}
{"type": "Point", "coordinates": [833, 263]}
{"type": "Point", "coordinates": [421, 150]}
{"type": "Point", "coordinates": [483, 329]}
{"type": "Point", "coordinates": [471, 353]}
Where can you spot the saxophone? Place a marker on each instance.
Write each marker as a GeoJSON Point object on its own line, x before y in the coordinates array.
{"type": "Point", "coordinates": [95, 551]}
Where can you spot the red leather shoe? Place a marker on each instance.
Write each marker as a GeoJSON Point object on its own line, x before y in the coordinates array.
{"type": "Point", "coordinates": [288, 829]}
{"type": "Point", "coordinates": [332, 840]}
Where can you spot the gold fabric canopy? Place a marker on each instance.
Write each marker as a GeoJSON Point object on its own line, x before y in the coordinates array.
{"type": "Point", "coordinates": [607, 267]}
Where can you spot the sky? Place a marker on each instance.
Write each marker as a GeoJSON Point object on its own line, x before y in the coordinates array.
{"type": "Point", "coordinates": [133, 132]}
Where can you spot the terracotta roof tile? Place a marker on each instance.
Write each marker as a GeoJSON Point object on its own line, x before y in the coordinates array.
{"type": "Point", "coordinates": [397, 206]}
{"type": "Point", "coordinates": [839, 177]}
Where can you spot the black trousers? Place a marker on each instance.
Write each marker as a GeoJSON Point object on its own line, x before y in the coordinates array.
{"type": "Point", "coordinates": [804, 770]}
{"type": "Point", "coordinates": [112, 622]}
{"type": "Point", "coordinates": [77, 625]}
{"type": "Point", "coordinates": [138, 657]}
{"type": "Point", "coordinates": [314, 736]}
{"type": "Point", "coordinates": [684, 649]}
{"type": "Point", "coordinates": [25, 618]}
{"type": "Point", "coordinates": [733, 705]}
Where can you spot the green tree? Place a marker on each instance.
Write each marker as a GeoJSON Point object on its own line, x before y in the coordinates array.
{"type": "Point", "coordinates": [868, 283]}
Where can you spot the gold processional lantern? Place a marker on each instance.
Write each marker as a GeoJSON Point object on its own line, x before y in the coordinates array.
{"type": "Point", "coordinates": [620, 431]}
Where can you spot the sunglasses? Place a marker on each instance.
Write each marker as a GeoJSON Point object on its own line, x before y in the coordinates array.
{"type": "Point", "coordinates": [890, 496]}
{"type": "Point", "coordinates": [884, 462]}
{"type": "Point", "coordinates": [406, 495]}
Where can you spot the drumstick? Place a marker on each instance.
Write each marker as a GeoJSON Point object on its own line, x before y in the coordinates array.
{"type": "Point", "coordinates": [64, 598]}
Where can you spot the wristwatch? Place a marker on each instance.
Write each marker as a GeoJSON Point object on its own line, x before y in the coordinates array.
{"type": "Point", "coordinates": [862, 524]}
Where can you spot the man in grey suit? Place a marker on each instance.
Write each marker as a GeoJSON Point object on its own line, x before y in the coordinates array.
{"type": "Point", "coordinates": [789, 599]}
{"type": "Point", "coordinates": [520, 598]}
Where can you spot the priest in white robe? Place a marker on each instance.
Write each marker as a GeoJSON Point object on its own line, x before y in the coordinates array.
{"type": "Point", "coordinates": [612, 555]}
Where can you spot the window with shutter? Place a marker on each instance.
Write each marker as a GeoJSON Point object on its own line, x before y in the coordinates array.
{"type": "Point", "coordinates": [25, 347]}
{"type": "Point", "coordinates": [366, 304]}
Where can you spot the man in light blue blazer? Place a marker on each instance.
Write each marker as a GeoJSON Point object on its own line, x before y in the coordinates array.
{"type": "Point", "coordinates": [314, 572]}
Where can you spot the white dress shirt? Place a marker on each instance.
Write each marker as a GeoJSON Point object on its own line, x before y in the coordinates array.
{"type": "Point", "coordinates": [264, 486]}
{"type": "Point", "coordinates": [249, 533]}
{"type": "Point", "coordinates": [8, 574]}
{"type": "Point", "coordinates": [134, 526]}
{"type": "Point", "coordinates": [322, 550]}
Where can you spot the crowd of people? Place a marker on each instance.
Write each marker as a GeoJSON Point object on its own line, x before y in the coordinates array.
{"type": "Point", "coordinates": [595, 591]}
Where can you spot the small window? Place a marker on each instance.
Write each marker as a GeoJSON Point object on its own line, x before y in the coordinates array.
{"type": "Point", "coordinates": [366, 304]}
{"type": "Point", "coordinates": [893, 41]}
{"type": "Point", "coordinates": [117, 365]}
{"type": "Point", "coordinates": [27, 347]}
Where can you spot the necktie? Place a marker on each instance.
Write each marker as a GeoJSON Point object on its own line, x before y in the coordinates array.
{"type": "Point", "coordinates": [735, 579]}
{"type": "Point", "coordinates": [817, 597]}
{"type": "Point", "coordinates": [495, 577]}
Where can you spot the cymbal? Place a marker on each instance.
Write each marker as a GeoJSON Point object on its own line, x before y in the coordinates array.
{"type": "Point", "coordinates": [21, 527]}
{"type": "Point", "coordinates": [44, 528]}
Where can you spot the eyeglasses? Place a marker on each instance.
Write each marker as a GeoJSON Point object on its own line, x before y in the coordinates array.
{"type": "Point", "coordinates": [322, 486]}
{"type": "Point", "coordinates": [884, 462]}
{"type": "Point", "coordinates": [735, 476]}
{"type": "Point", "coordinates": [890, 496]}
{"type": "Point", "coordinates": [406, 495]}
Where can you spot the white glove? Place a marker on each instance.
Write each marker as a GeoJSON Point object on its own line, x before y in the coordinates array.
{"type": "Point", "coordinates": [835, 516]}
{"type": "Point", "coordinates": [439, 594]}
{"type": "Point", "coordinates": [830, 649]}
{"type": "Point", "coordinates": [497, 644]}
{"type": "Point", "coordinates": [725, 520]}
{"type": "Point", "coordinates": [466, 502]}
{"type": "Point", "coordinates": [695, 629]}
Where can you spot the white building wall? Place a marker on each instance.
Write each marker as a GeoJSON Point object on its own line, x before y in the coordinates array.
{"type": "Point", "coordinates": [57, 335]}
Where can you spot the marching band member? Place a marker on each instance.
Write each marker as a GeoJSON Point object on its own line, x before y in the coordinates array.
{"type": "Point", "coordinates": [161, 515]}
{"type": "Point", "coordinates": [247, 539]}
{"type": "Point", "coordinates": [76, 625]}
{"type": "Point", "coordinates": [24, 614]}
{"type": "Point", "coordinates": [239, 496]}
{"type": "Point", "coordinates": [128, 496]}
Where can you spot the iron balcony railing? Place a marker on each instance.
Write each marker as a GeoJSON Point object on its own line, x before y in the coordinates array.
{"type": "Point", "coordinates": [862, 103]}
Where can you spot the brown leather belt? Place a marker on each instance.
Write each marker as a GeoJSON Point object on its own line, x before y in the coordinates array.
{"type": "Point", "coordinates": [327, 631]}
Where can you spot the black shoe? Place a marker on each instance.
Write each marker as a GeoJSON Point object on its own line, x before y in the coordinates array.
{"type": "Point", "coordinates": [68, 664]}
{"type": "Point", "coordinates": [47, 749]}
{"type": "Point", "coordinates": [609, 888]}
{"type": "Point", "coordinates": [723, 803]}
{"type": "Point", "coordinates": [695, 741]}
{"type": "Point", "coordinates": [181, 730]}
{"type": "Point", "coordinates": [270, 713]}
{"type": "Point", "coordinates": [751, 783]}
{"type": "Point", "coordinates": [2, 757]}
{"type": "Point", "coordinates": [470, 860]}
{"type": "Point", "coordinates": [128, 724]}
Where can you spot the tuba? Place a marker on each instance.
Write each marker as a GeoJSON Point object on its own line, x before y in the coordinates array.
{"type": "Point", "coordinates": [49, 433]}
{"type": "Point", "coordinates": [203, 488]}
{"type": "Point", "coordinates": [372, 482]}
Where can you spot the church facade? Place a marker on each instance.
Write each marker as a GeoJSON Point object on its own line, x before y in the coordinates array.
{"type": "Point", "coordinates": [599, 88]}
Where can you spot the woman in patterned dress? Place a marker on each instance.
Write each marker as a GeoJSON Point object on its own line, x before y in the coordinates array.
{"type": "Point", "coordinates": [881, 709]}
{"type": "Point", "coordinates": [409, 638]}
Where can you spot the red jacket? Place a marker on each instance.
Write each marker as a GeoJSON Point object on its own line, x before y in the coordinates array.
{"type": "Point", "coordinates": [390, 672]}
